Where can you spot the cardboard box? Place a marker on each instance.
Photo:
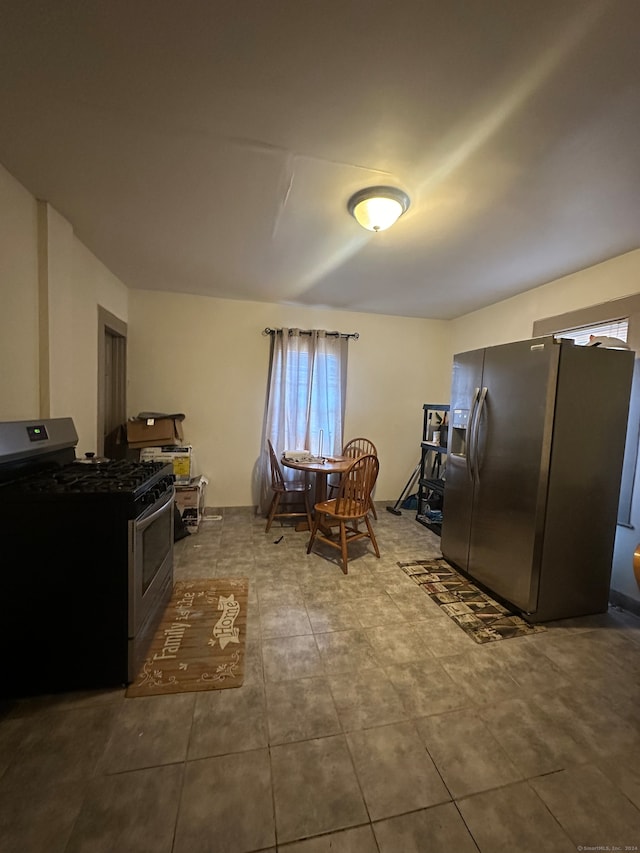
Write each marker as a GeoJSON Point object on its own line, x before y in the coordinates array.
{"type": "Point", "coordinates": [190, 500]}
{"type": "Point", "coordinates": [155, 432]}
{"type": "Point", "coordinates": [181, 458]}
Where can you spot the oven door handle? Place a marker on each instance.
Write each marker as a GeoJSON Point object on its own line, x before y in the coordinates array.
{"type": "Point", "coordinates": [143, 521]}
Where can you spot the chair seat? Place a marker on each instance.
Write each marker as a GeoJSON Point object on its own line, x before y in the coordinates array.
{"type": "Point", "coordinates": [292, 486]}
{"type": "Point", "coordinates": [332, 508]}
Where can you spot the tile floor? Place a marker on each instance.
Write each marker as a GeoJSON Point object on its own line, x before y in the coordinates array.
{"type": "Point", "coordinates": [367, 723]}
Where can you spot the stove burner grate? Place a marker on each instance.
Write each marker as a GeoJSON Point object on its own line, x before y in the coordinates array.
{"type": "Point", "coordinates": [121, 476]}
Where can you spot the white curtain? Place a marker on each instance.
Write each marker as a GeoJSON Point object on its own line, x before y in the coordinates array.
{"type": "Point", "coordinates": [306, 395]}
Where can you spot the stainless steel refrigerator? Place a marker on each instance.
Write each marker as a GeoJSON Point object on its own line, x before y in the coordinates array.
{"type": "Point", "coordinates": [536, 443]}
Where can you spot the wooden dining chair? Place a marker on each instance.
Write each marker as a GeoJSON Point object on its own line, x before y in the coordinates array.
{"type": "Point", "coordinates": [348, 509]}
{"type": "Point", "coordinates": [291, 495]}
{"type": "Point", "coordinates": [355, 447]}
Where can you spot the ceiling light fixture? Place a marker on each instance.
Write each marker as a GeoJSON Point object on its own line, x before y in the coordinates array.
{"type": "Point", "coordinates": [377, 208]}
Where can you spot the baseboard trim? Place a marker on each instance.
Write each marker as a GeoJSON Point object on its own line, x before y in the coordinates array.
{"type": "Point", "coordinates": [619, 599]}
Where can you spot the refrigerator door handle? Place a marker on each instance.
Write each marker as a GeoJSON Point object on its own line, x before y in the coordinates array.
{"type": "Point", "coordinates": [469, 455]}
{"type": "Point", "coordinates": [476, 430]}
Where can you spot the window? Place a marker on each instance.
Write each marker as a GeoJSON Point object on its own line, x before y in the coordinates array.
{"type": "Point", "coordinates": [615, 329]}
{"type": "Point", "coordinates": [306, 398]}
{"type": "Point", "coordinates": [306, 395]}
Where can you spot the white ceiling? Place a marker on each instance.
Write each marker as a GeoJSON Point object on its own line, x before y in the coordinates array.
{"type": "Point", "coordinates": [210, 147]}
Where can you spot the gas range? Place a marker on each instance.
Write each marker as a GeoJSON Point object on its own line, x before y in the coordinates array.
{"type": "Point", "coordinates": [88, 554]}
{"type": "Point", "coordinates": [47, 467]}
{"type": "Point", "coordinates": [131, 486]}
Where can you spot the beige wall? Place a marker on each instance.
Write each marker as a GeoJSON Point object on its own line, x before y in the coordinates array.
{"type": "Point", "coordinates": [58, 235]}
{"type": "Point", "coordinates": [512, 319]}
{"type": "Point", "coordinates": [53, 374]}
{"type": "Point", "coordinates": [19, 382]}
{"type": "Point", "coordinates": [209, 359]}
{"type": "Point", "coordinates": [93, 285]}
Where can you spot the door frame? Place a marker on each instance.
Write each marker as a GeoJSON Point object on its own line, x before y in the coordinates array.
{"type": "Point", "coordinates": [112, 375]}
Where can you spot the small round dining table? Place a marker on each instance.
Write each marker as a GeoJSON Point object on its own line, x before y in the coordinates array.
{"type": "Point", "coordinates": [330, 465]}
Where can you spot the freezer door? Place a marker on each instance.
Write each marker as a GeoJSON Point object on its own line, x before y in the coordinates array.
{"type": "Point", "coordinates": [458, 490]}
{"type": "Point", "coordinates": [511, 462]}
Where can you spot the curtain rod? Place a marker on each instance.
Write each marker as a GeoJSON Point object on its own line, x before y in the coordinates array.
{"type": "Point", "coordinates": [354, 335]}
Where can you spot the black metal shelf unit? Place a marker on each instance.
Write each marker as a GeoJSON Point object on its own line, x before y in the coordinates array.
{"type": "Point", "coordinates": [432, 465]}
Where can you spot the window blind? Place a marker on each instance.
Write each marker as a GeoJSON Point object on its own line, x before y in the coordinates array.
{"type": "Point", "coordinates": [613, 329]}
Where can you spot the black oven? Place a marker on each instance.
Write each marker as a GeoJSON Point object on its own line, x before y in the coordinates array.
{"type": "Point", "coordinates": [87, 560]}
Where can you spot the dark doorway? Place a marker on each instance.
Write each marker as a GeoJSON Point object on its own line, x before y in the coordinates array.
{"type": "Point", "coordinates": [112, 379]}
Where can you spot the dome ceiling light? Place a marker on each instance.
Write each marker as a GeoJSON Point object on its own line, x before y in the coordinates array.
{"type": "Point", "coordinates": [377, 208]}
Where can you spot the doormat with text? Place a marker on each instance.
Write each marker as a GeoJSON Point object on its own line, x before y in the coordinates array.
{"type": "Point", "coordinates": [482, 618]}
{"type": "Point", "coordinates": [200, 641]}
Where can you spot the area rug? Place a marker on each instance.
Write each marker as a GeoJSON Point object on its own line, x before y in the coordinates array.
{"type": "Point", "coordinates": [482, 618]}
{"type": "Point", "coordinates": [200, 642]}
